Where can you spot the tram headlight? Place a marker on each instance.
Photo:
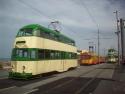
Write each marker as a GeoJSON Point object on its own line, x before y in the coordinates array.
{"type": "Point", "coordinates": [12, 66]}
{"type": "Point", "coordinates": [23, 67]}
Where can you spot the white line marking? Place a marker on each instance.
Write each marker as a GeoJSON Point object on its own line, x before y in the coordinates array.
{"type": "Point", "coordinates": [31, 91]}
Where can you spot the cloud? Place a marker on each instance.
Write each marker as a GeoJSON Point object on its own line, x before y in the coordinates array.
{"type": "Point", "coordinates": [78, 19]}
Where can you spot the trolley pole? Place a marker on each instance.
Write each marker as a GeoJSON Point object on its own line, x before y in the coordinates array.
{"type": "Point", "coordinates": [55, 26]}
{"type": "Point", "coordinates": [117, 33]}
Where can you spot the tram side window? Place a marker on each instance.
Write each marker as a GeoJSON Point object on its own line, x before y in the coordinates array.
{"type": "Point", "coordinates": [57, 55]}
{"type": "Point", "coordinates": [74, 56]}
{"type": "Point", "coordinates": [70, 55]}
{"type": "Point", "coordinates": [33, 54]}
{"type": "Point", "coordinates": [66, 55]}
{"type": "Point", "coordinates": [56, 37]}
{"type": "Point", "coordinates": [20, 53]}
{"type": "Point", "coordinates": [47, 35]}
{"type": "Point", "coordinates": [52, 54]}
{"type": "Point", "coordinates": [62, 55]}
{"type": "Point", "coordinates": [36, 33]}
{"type": "Point", "coordinates": [52, 36]}
{"type": "Point", "coordinates": [41, 54]}
{"type": "Point", "coordinates": [42, 34]}
{"type": "Point", "coordinates": [25, 53]}
{"type": "Point", "coordinates": [47, 54]}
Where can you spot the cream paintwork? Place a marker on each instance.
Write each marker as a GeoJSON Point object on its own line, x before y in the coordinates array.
{"type": "Point", "coordinates": [38, 67]}
{"type": "Point", "coordinates": [37, 42]}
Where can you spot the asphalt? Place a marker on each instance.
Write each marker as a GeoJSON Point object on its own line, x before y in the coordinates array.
{"type": "Point", "coordinates": [116, 85]}
{"type": "Point", "coordinates": [110, 81]}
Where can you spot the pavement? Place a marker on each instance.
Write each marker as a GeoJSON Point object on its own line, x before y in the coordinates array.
{"type": "Point", "coordinates": [116, 85]}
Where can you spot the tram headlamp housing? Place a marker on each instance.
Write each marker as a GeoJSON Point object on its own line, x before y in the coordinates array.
{"type": "Point", "coordinates": [23, 67]}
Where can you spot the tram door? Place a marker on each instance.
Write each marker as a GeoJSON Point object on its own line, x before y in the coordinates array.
{"type": "Point", "coordinates": [62, 65]}
{"type": "Point", "coordinates": [63, 62]}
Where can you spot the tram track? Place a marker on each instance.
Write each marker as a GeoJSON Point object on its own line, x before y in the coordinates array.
{"type": "Point", "coordinates": [67, 82]}
{"type": "Point", "coordinates": [88, 83]}
{"type": "Point", "coordinates": [83, 80]}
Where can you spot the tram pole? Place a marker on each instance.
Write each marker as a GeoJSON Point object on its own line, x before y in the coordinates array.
{"type": "Point", "coordinates": [98, 46]}
{"type": "Point", "coordinates": [117, 33]}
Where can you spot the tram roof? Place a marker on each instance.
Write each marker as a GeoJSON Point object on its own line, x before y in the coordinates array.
{"type": "Point", "coordinates": [35, 26]}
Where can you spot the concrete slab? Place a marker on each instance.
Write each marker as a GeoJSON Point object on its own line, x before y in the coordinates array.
{"type": "Point", "coordinates": [110, 87]}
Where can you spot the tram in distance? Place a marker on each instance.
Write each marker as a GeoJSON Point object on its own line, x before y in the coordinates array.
{"type": "Point", "coordinates": [39, 50]}
{"type": "Point", "coordinates": [90, 58]}
{"type": "Point", "coordinates": [112, 56]}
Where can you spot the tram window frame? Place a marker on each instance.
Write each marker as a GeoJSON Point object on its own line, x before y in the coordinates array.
{"type": "Point", "coordinates": [52, 54]}
{"type": "Point", "coordinates": [66, 55]}
{"type": "Point", "coordinates": [47, 54]}
{"type": "Point", "coordinates": [57, 55]}
{"type": "Point", "coordinates": [41, 54]}
{"type": "Point", "coordinates": [47, 35]}
{"type": "Point", "coordinates": [74, 56]}
{"type": "Point", "coordinates": [70, 55]}
{"type": "Point", "coordinates": [33, 54]}
{"type": "Point", "coordinates": [22, 53]}
{"type": "Point", "coordinates": [42, 34]}
{"type": "Point", "coordinates": [62, 55]}
{"type": "Point", "coordinates": [36, 32]}
{"type": "Point", "coordinates": [24, 32]}
{"type": "Point", "coordinates": [25, 53]}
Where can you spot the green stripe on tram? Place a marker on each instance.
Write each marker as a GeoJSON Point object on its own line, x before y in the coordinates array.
{"type": "Point", "coordinates": [34, 54]}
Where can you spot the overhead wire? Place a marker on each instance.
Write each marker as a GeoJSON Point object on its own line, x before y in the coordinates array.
{"type": "Point", "coordinates": [42, 14]}
{"type": "Point", "coordinates": [94, 21]}
{"type": "Point", "coordinates": [35, 9]}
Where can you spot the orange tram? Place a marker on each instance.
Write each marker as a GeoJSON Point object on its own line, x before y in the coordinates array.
{"type": "Point", "coordinates": [89, 58]}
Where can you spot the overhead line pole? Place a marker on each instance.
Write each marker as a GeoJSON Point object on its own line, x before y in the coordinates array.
{"type": "Point", "coordinates": [117, 32]}
{"type": "Point", "coordinates": [94, 21]}
{"type": "Point", "coordinates": [98, 45]}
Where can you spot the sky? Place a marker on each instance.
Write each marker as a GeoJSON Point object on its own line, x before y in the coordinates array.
{"type": "Point", "coordinates": [79, 20]}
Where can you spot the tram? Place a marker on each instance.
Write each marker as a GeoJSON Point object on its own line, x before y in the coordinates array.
{"type": "Point", "coordinates": [89, 58]}
{"type": "Point", "coordinates": [39, 50]}
{"type": "Point", "coordinates": [112, 56]}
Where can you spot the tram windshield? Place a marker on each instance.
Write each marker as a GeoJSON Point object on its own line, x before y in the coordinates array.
{"type": "Point", "coordinates": [23, 54]}
{"type": "Point", "coordinates": [25, 32]}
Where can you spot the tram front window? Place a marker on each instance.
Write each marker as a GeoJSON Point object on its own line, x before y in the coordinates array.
{"type": "Point", "coordinates": [23, 54]}
{"type": "Point", "coordinates": [28, 32]}
{"type": "Point", "coordinates": [25, 32]}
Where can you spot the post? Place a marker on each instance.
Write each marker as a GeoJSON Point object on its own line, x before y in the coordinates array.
{"type": "Point", "coordinates": [122, 40]}
{"type": "Point", "coordinates": [98, 47]}
{"type": "Point", "coordinates": [116, 12]}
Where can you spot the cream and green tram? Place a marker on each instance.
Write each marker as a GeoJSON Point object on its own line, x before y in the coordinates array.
{"type": "Point", "coordinates": [40, 50]}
